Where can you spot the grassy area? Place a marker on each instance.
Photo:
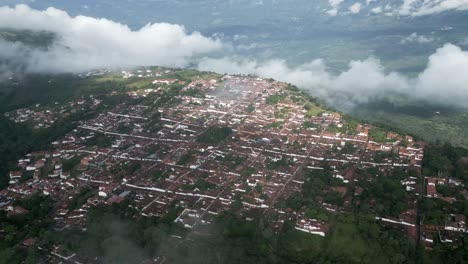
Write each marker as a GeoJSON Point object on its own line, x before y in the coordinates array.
{"type": "Point", "coordinates": [141, 83]}
{"type": "Point", "coordinates": [111, 78]}
{"type": "Point", "coordinates": [312, 110]}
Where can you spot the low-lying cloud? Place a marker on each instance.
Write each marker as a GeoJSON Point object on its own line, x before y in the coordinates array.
{"type": "Point", "coordinates": [86, 43]}
{"type": "Point", "coordinates": [444, 80]}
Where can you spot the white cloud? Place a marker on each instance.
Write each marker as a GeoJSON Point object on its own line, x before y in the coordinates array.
{"type": "Point", "coordinates": [406, 8]}
{"type": "Point", "coordinates": [428, 7]}
{"type": "Point", "coordinates": [332, 12]}
{"type": "Point", "coordinates": [238, 37]}
{"type": "Point", "coordinates": [414, 37]}
{"type": "Point", "coordinates": [355, 8]}
{"type": "Point", "coordinates": [363, 80]}
{"type": "Point", "coordinates": [307, 75]}
{"type": "Point", "coordinates": [335, 4]}
{"type": "Point", "coordinates": [376, 10]}
{"type": "Point", "coordinates": [444, 80]}
{"type": "Point", "coordinates": [85, 42]}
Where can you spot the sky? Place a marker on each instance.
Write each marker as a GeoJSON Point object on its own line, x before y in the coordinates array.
{"type": "Point", "coordinates": [84, 42]}
{"type": "Point", "coordinates": [397, 8]}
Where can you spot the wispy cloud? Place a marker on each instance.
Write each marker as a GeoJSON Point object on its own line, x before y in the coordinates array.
{"type": "Point", "coordinates": [428, 7]}
{"type": "Point", "coordinates": [401, 8]}
{"type": "Point", "coordinates": [416, 38]}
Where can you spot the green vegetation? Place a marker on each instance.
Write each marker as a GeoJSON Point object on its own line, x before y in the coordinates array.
{"type": "Point", "coordinates": [420, 120]}
{"type": "Point", "coordinates": [275, 98]}
{"type": "Point", "coordinates": [348, 148]}
{"type": "Point", "coordinates": [250, 108]}
{"type": "Point", "coordinates": [118, 234]}
{"type": "Point", "coordinates": [47, 89]}
{"type": "Point", "coordinates": [276, 124]}
{"type": "Point", "coordinates": [193, 92]}
{"type": "Point", "coordinates": [274, 165]}
{"type": "Point", "coordinates": [200, 184]}
{"type": "Point", "coordinates": [433, 211]}
{"type": "Point", "coordinates": [351, 123]}
{"type": "Point", "coordinates": [187, 157]}
{"type": "Point", "coordinates": [388, 193]}
{"type": "Point", "coordinates": [189, 75]}
{"type": "Point", "coordinates": [308, 124]}
{"type": "Point", "coordinates": [445, 160]}
{"type": "Point", "coordinates": [35, 39]}
{"type": "Point", "coordinates": [131, 167]}
{"type": "Point", "coordinates": [258, 188]}
{"type": "Point", "coordinates": [154, 123]}
{"type": "Point", "coordinates": [352, 240]}
{"type": "Point", "coordinates": [282, 114]}
{"type": "Point", "coordinates": [214, 135]}
{"type": "Point", "coordinates": [113, 234]}
{"type": "Point", "coordinates": [233, 161]}
{"type": "Point", "coordinates": [348, 128]}
{"type": "Point", "coordinates": [381, 155]}
{"type": "Point", "coordinates": [20, 227]}
{"type": "Point", "coordinates": [100, 140]}
{"type": "Point", "coordinates": [26, 176]}
{"type": "Point", "coordinates": [316, 181]}
{"type": "Point", "coordinates": [312, 110]}
{"type": "Point", "coordinates": [123, 128]}
{"type": "Point", "coordinates": [378, 135]}
{"type": "Point", "coordinates": [293, 88]}
{"type": "Point", "coordinates": [247, 172]}
{"type": "Point", "coordinates": [160, 174]}
{"type": "Point", "coordinates": [71, 163]}
{"type": "Point", "coordinates": [81, 198]}
{"type": "Point", "coordinates": [170, 96]}
{"type": "Point", "coordinates": [17, 140]}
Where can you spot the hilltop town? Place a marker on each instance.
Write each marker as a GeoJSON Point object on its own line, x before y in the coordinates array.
{"type": "Point", "coordinates": [206, 144]}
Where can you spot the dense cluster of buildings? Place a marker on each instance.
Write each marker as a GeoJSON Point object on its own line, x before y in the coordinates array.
{"type": "Point", "coordinates": [120, 155]}
{"type": "Point", "coordinates": [45, 116]}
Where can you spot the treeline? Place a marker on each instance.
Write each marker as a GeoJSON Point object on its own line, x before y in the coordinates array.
{"type": "Point", "coordinates": [446, 160]}
{"type": "Point", "coordinates": [47, 89]}
{"type": "Point", "coordinates": [15, 229]}
{"type": "Point", "coordinates": [388, 194]}
{"type": "Point", "coordinates": [16, 140]}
